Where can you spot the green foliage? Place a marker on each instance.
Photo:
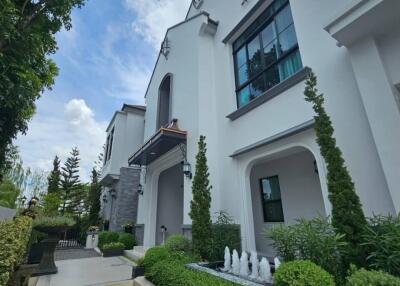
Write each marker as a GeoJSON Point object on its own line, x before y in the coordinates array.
{"type": "Point", "coordinates": [8, 194]}
{"type": "Point", "coordinates": [363, 277]}
{"type": "Point", "coordinates": [314, 240]}
{"type": "Point", "coordinates": [14, 239]}
{"type": "Point", "coordinates": [11, 155]}
{"type": "Point", "coordinates": [107, 237]}
{"type": "Point", "coordinates": [224, 233]}
{"type": "Point", "coordinates": [302, 273]}
{"type": "Point", "coordinates": [51, 203]}
{"type": "Point", "coordinates": [200, 204]}
{"type": "Point", "coordinates": [347, 214]}
{"type": "Point", "coordinates": [153, 255]}
{"type": "Point", "coordinates": [27, 39]}
{"type": "Point", "coordinates": [42, 221]}
{"type": "Point", "coordinates": [94, 199]}
{"type": "Point", "coordinates": [178, 243]}
{"type": "Point", "coordinates": [174, 273]}
{"type": "Point", "coordinates": [382, 243]}
{"type": "Point", "coordinates": [127, 239]}
{"type": "Point", "coordinates": [53, 186]}
{"type": "Point", "coordinates": [113, 246]}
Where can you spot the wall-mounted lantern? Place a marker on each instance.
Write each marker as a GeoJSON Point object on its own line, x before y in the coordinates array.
{"type": "Point", "coordinates": [113, 193]}
{"type": "Point", "coordinates": [187, 169]}
{"type": "Point", "coordinates": [165, 48]}
{"type": "Point", "coordinates": [140, 189]}
{"type": "Point", "coordinates": [104, 198]}
{"type": "Point", "coordinates": [197, 3]}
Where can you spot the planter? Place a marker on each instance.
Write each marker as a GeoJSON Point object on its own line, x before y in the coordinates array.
{"type": "Point", "coordinates": [47, 265]}
{"type": "Point", "coordinates": [137, 271]}
{"type": "Point", "coordinates": [35, 253]}
{"type": "Point", "coordinates": [112, 252]}
{"type": "Point", "coordinates": [128, 229]}
{"type": "Point", "coordinates": [22, 274]}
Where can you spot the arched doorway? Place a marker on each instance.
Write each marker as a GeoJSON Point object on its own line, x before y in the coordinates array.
{"type": "Point", "coordinates": [285, 186]}
{"type": "Point", "coordinates": [170, 203]}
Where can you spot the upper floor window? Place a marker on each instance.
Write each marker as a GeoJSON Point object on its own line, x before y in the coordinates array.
{"type": "Point", "coordinates": [266, 53]}
{"type": "Point", "coordinates": [164, 102]}
{"type": "Point", "coordinates": [109, 145]}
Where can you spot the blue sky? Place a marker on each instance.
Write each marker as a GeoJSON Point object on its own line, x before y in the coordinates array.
{"type": "Point", "coordinates": [105, 60]}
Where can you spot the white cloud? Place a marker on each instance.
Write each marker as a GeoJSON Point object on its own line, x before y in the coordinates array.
{"type": "Point", "coordinates": [53, 133]}
{"type": "Point", "coordinates": [154, 17]}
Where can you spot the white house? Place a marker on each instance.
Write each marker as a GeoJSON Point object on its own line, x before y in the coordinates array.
{"type": "Point", "coordinates": [234, 71]}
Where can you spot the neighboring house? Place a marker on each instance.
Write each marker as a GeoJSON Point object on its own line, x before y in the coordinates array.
{"type": "Point", "coordinates": [119, 197]}
{"type": "Point", "coordinates": [235, 72]}
{"type": "Point", "coordinates": [6, 213]}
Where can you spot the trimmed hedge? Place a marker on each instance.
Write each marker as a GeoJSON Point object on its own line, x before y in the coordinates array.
{"type": "Point", "coordinates": [113, 246]}
{"type": "Point", "coordinates": [302, 273]}
{"type": "Point", "coordinates": [153, 255]}
{"type": "Point", "coordinates": [174, 273]}
{"type": "Point", "coordinates": [363, 277]}
{"type": "Point", "coordinates": [178, 243]}
{"type": "Point", "coordinates": [14, 239]}
{"type": "Point", "coordinates": [107, 237]}
{"type": "Point", "coordinates": [128, 240]}
{"type": "Point", "coordinates": [224, 234]}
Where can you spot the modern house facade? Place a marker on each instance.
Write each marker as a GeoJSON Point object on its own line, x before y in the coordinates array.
{"type": "Point", "coordinates": [234, 71]}
{"type": "Point", "coordinates": [119, 180]}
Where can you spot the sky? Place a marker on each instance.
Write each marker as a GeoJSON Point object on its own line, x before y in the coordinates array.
{"type": "Point", "coordinates": [105, 60]}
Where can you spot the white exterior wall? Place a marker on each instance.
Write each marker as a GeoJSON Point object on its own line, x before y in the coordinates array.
{"type": "Point", "coordinates": [203, 94]}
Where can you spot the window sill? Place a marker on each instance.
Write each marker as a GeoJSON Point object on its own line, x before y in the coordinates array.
{"type": "Point", "coordinates": [271, 93]}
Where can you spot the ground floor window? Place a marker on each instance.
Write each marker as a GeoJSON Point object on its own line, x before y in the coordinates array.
{"type": "Point", "coordinates": [271, 199]}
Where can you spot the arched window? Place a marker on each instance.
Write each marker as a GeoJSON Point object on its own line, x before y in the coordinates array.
{"type": "Point", "coordinates": [164, 102]}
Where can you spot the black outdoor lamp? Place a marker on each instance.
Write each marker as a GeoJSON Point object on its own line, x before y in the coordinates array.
{"type": "Point", "coordinates": [113, 193]}
{"type": "Point", "coordinates": [104, 198]}
{"type": "Point", "coordinates": [22, 200]}
{"type": "Point", "coordinates": [140, 189]}
{"type": "Point", "coordinates": [34, 200]}
{"type": "Point", "coordinates": [187, 169]}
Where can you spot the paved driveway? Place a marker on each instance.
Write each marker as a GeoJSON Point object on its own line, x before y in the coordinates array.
{"type": "Point", "coordinates": [88, 272]}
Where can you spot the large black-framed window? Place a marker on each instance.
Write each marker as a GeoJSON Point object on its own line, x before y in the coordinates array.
{"type": "Point", "coordinates": [271, 199]}
{"type": "Point", "coordinates": [266, 53]}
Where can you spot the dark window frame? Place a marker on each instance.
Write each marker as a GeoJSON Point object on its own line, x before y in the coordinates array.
{"type": "Point", "coordinates": [249, 37]}
{"type": "Point", "coordinates": [263, 202]}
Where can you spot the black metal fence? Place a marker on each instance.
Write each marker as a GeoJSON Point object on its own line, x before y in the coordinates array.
{"type": "Point", "coordinates": [70, 239]}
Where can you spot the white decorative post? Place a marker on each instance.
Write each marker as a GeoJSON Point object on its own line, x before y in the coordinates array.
{"type": "Point", "coordinates": [254, 265]}
{"type": "Point", "coordinates": [235, 262]}
{"type": "Point", "coordinates": [244, 264]}
{"type": "Point", "coordinates": [227, 260]}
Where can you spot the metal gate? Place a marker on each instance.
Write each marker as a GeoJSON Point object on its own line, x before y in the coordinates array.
{"type": "Point", "coordinates": [70, 239]}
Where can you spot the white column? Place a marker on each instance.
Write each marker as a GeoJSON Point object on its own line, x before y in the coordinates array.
{"type": "Point", "coordinates": [377, 93]}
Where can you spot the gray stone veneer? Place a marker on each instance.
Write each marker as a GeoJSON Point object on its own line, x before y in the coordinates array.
{"type": "Point", "coordinates": [139, 234]}
{"type": "Point", "coordinates": [124, 207]}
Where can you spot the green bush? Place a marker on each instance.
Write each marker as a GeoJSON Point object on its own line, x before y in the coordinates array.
{"type": "Point", "coordinates": [14, 239]}
{"type": "Point", "coordinates": [127, 239]}
{"type": "Point", "coordinates": [382, 242]}
{"type": "Point", "coordinates": [153, 255]}
{"type": "Point", "coordinates": [313, 240]}
{"type": "Point", "coordinates": [53, 221]}
{"type": "Point", "coordinates": [224, 232]}
{"type": "Point", "coordinates": [113, 246]}
{"type": "Point", "coordinates": [107, 237]}
{"type": "Point", "coordinates": [302, 273]}
{"type": "Point", "coordinates": [363, 277]}
{"type": "Point", "coordinates": [174, 273]}
{"type": "Point", "coordinates": [178, 243]}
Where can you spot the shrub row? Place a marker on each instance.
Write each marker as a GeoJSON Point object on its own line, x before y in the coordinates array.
{"type": "Point", "coordinates": [165, 268]}
{"type": "Point", "coordinates": [107, 237]}
{"type": "Point", "coordinates": [14, 238]}
{"type": "Point", "coordinates": [114, 246]}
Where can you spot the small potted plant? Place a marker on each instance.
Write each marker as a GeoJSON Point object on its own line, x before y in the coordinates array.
{"type": "Point", "coordinates": [53, 227]}
{"type": "Point", "coordinates": [138, 269]}
{"type": "Point", "coordinates": [128, 227]}
{"type": "Point", "coordinates": [113, 249]}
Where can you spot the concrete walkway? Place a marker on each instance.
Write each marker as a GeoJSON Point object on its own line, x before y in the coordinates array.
{"type": "Point", "coordinates": [89, 272]}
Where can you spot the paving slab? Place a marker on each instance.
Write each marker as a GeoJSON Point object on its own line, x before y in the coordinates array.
{"type": "Point", "coordinates": [89, 272]}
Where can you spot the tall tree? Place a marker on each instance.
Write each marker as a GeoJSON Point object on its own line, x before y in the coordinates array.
{"type": "Point", "coordinates": [70, 182]}
{"type": "Point", "coordinates": [200, 204]}
{"type": "Point", "coordinates": [54, 177]}
{"type": "Point", "coordinates": [11, 156]}
{"type": "Point", "coordinates": [347, 214]}
{"type": "Point", "coordinates": [94, 198]}
{"type": "Point", "coordinates": [27, 38]}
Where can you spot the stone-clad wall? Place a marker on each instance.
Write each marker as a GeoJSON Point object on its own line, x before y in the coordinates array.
{"type": "Point", "coordinates": [125, 205]}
